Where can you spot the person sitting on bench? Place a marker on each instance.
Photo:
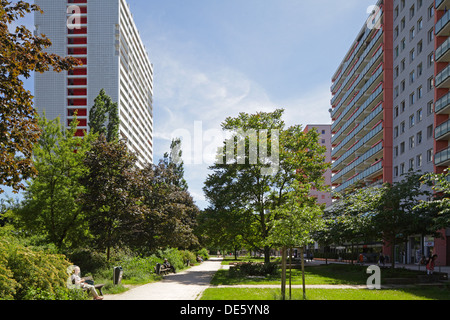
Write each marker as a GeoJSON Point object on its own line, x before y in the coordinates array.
{"type": "Point", "coordinates": [167, 265]}
{"type": "Point", "coordinates": [83, 284]}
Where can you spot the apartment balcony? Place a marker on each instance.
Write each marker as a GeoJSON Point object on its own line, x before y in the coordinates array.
{"type": "Point", "coordinates": [443, 52]}
{"type": "Point", "coordinates": [442, 27]}
{"type": "Point", "coordinates": [363, 68]}
{"type": "Point", "coordinates": [359, 148]}
{"type": "Point", "coordinates": [442, 131]}
{"type": "Point", "coordinates": [442, 158]}
{"type": "Point", "coordinates": [358, 116]}
{"type": "Point", "coordinates": [443, 78]}
{"type": "Point", "coordinates": [442, 106]}
{"type": "Point", "coordinates": [371, 172]}
{"type": "Point", "coordinates": [359, 164]}
{"type": "Point", "coordinates": [361, 128]}
{"type": "Point", "coordinates": [442, 4]}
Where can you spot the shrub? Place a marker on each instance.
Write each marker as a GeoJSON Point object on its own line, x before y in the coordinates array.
{"type": "Point", "coordinates": [29, 274]}
{"type": "Point", "coordinates": [203, 253]}
{"type": "Point", "coordinates": [188, 255]}
{"type": "Point", "coordinates": [174, 256]}
{"type": "Point", "coordinates": [254, 269]}
{"type": "Point", "coordinates": [138, 268]}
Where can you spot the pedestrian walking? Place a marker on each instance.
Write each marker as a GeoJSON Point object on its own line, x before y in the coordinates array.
{"type": "Point", "coordinates": [431, 264]}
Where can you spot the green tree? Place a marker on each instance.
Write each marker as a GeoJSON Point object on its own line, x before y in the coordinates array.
{"type": "Point", "coordinates": [253, 183]}
{"type": "Point", "coordinates": [299, 219]}
{"type": "Point", "coordinates": [21, 53]}
{"type": "Point", "coordinates": [397, 216]}
{"type": "Point", "coordinates": [170, 214]}
{"type": "Point", "coordinates": [104, 117]}
{"type": "Point", "coordinates": [50, 206]}
{"type": "Point", "coordinates": [350, 219]}
{"type": "Point", "coordinates": [440, 202]}
{"type": "Point", "coordinates": [113, 210]}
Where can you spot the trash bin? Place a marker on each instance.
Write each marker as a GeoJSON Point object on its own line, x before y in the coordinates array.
{"type": "Point", "coordinates": [117, 277]}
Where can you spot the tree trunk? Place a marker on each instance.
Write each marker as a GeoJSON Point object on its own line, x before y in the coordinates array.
{"type": "Point", "coordinates": [290, 274]}
{"type": "Point", "coordinates": [303, 273]}
{"type": "Point", "coordinates": [283, 273]}
{"type": "Point", "coordinates": [393, 254]}
{"type": "Point", "coordinates": [266, 255]}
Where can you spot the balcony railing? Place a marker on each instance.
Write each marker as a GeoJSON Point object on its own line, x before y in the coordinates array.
{"type": "Point", "coordinates": [363, 124]}
{"type": "Point", "coordinates": [360, 160]}
{"type": "Point", "coordinates": [442, 104]}
{"type": "Point", "coordinates": [359, 144]}
{"type": "Point", "coordinates": [363, 108]}
{"type": "Point", "coordinates": [442, 158]}
{"type": "Point", "coordinates": [443, 76]}
{"type": "Point", "coordinates": [442, 130]}
{"type": "Point", "coordinates": [368, 84]}
{"type": "Point", "coordinates": [442, 22]}
{"type": "Point", "coordinates": [443, 49]}
{"type": "Point", "coordinates": [366, 173]}
{"type": "Point", "coordinates": [361, 59]}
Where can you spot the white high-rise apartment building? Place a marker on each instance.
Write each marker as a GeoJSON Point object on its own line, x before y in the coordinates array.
{"type": "Point", "coordinates": [103, 35]}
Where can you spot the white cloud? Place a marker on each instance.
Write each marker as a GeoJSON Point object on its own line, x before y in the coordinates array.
{"type": "Point", "coordinates": [189, 98]}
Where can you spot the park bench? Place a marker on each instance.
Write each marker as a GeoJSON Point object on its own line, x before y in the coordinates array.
{"type": "Point", "coordinates": [160, 269]}
{"type": "Point", "coordinates": [90, 280]}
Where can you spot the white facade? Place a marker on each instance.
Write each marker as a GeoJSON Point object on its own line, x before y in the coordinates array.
{"type": "Point", "coordinates": [103, 34]}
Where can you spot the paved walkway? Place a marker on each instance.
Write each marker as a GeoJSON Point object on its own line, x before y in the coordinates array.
{"type": "Point", "coordinates": [185, 285]}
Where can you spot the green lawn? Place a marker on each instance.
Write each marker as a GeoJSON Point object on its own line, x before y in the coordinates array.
{"type": "Point", "coordinates": [426, 293]}
{"type": "Point", "coordinates": [323, 274]}
{"type": "Point", "coordinates": [332, 274]}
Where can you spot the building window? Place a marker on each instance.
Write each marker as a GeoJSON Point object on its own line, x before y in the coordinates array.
{"type": "Point", "coordinates": [412, 98]}
{"type": "Point", "coordinates": [431, 60]}
{"type": "Point", "coordinates": [412, 55]}
{"type": "Point", "coordinates": [396, 152]}
{"type": "Point", "coordinates": [402, 148]}
{"type": "Point", "coordinates": [396, 132]}
{"type": "Point", "coordinates": [430, 132]}
{"type": "Point", "coordinates": [411, 164]}
{"type": "Point", "coordinates": [419, 70]}
{"type": "Point", "coordinates": [419, 115]}
{"type": "Point", "coordinates": [431, 12]}
{"type": "Point", "coordinates": [431, 35]}
{"type": "Point", "coordinates": [419, 24]}
{"type": "Point", "coordinates": [412, 33]}
{"type": "Point", "coordinates": [402, 168]}
{"type": "Point", "coordinates": [430, 84]}
{"type": "Point", "coordinates": [402, 127]}
{"type": "Point", "coordinates": [412, 142]}
{"type": "Point", "coordinates": [396, 171]}
{"type": "Point", "coordinates": [419, 160]}
{"type": "Point", "coordinates": [412, 121]}
{"type": "Point", "coordinates": [430, 155]}
{"type": "Point", "coordinates": [419, 137]}
{"type": "Point", "coordinates": [430, 108]}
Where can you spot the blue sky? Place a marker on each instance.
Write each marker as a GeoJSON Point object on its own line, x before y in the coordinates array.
{"type": "Point", "coordinates": [214, 58]}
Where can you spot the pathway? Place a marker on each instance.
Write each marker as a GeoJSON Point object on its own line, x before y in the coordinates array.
{"type": "Point", "coordinates": [185, 285]}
